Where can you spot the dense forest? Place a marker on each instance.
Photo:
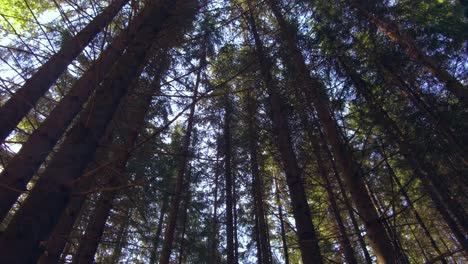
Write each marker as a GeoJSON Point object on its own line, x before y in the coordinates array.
{"type": "Point", "coordinates": [235, 131]}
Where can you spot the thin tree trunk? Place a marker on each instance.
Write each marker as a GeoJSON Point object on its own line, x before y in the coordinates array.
{"type": "Point", "coordinates": [32, 154]}
{"type": "Point", "coordinates": [185, 150]}
{"type": "Point", "coordinates": [280, 216]}
{"type": "Point", "coordinates": [95, 228]}
{"type": "Point", "coordinates": [414, 51]}
{"type": "Point", "coordinates": [228, 181]}
{"type": "Point", "coordinates": [348, 205]}
{"type": "Point", "coordinates": [234, 214]}
{"type": "Point", "coordinates": [214, 219]}
{"type": "Point", "coordinates": [349, 253]}
{"type": "Point", "coordinates": [315, 93]}
{"type": "Point", "coordinates": [41, 210]}
{"type": "Point", "coordinates": [157, 236]}
{"type": "Point", "coordinates": [257, 181]}
{"type": "Point", "coordinates": [306, 233]}
{"type": "Point", "coordinates": [121, 236]}
{"type": "Point", "coordinates": [27, 96]}
{"type": "Point", "coordinates": [185, 209]}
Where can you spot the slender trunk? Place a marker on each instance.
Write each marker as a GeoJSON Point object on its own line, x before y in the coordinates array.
{"type": "Point", "coordinates": [214, 219]}
{"type": "Point", "coordinates": [157, 236]}
{"type": "Point", "coordinates": [315, 93]}
{"type": "Point", "coordinates": [22, 167]}
{"type": "Point", "coordinates": [345, 242]}
{"type": "Point", "coordinates": [349, 208]}
{"type": "Point", "coordinates": [280, 216]}
{"type": "Point", "coordinates": [306, 233]}
{"type": "Point", "coordinates": [121, 237]}
{"type": "Point", "coordinates": [185, 209]}
{"type": "Point", "coordinates": [414, 51]}
{"type": "Point", "coordinates": [257, 181]}
{"type": "Point", "coordinates": [228, 181]}
{"type": "Point", "coordinates": [90, 241]}
{"type": "Point", "coordinates": [41, 210]}
{"type": "Point", "coordinates": [27, 96]}
{"type": "Point", "coordinates": [234, 214]}
{"type": "Point", "coordinates": [181, 173]}
{"type": "Point", "coordinates": [256, 235]}
{"type": "Point", "coordinates": [349, 253]}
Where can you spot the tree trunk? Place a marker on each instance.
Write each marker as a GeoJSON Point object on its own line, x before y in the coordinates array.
{"type": "Point", "coordinates": [315, 93]}
{"type": "Point", "coordinates": [181, 173]}
{"type": "Point", "coordinates": [257, 181]}
{"type": "Point", "coordinates": [280, 216]}
{"type": "Point", "coordinates": [345, 242]}
{"type": "Point", "coordinates": [306, 233]}
{"type": "Point", "coordinates": [95, 228]}
{"type": "Point", "coordinates": [214, 219]}
{"type": "Point", "coordinates": [157, 237]}
{"type": "Point", "coordinates": [229, 185]}
{"type": "Point", "coordinates": [62, 230]}
{"type": "Point", "coordinates": [32, 154]}
{"type": "Point", "coordinates": [121, 237]}
{"type": "Point", "coordinates": [135, 108]}
{"type": "Point", "coordinates": [234, 214]}
{"type": "Point", "coordinates": [41, 210]}
{"type": "Point", "coordinates": [349, 208]}
{"type": "Point", "coordinates": [409, 45]}
{"type": "Point", "coordinates": [27, 96]}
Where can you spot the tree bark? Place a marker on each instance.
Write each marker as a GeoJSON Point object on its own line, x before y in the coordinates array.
{"type": "Point", "coordinates": [315, 93]}
{"type": "Point", "coordinates": [27, 96]}
{"type": "Point", "coordinates": [181, 173]}
{"type": "Point", "coordinates": [280, 216]}
{"type": "Point", "coordinates": [157, 236]}
{"type": "Point", "coordinates": [41, 210]}
{"type": "Point", "coordinates": [95, 228]}
{"type": "Point", "coordinates": [121, 237]}
{"type": "Point", "coordinates": [228, 181]}
{"type": "Point", "coordinates": [214, 219]}
{"type": "Point", "coordinates": [414, 51]}
{"type": "Point", "coordinates": [257, 181]}
{"type": "Point", "coordinates": [308, 242]}
{"type": "Point", "coordinates": [22, 167]}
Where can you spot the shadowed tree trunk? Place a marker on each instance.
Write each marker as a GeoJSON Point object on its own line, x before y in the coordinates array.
{"type": "Point", "coordinates": [214, 219]}
{"type": "Point", "coordinates": [181, 173]}
{"type": "Point", "coordinates": [229, 183]}
{"type": "Point", "coordinates": [121, 236]}
{"type": "Point", "coordinates": [157, 236]}
{"type": "Point", "coordinates": [315, 93]}
{"type": "Point", "coordinates": [41, 210]}
{"type": "Point", "coordinates": [131, 120]}
{"type": "Point", "coordinates": [27, 96]}
{"type": "Point", "coordinates": [257, 181]}
{"type": "Point", "coordinates": [22, 167]}
{"type": "Point", "coordinates": [281, 217]}
{"type": "Point", "coordinates": [306, 233]}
